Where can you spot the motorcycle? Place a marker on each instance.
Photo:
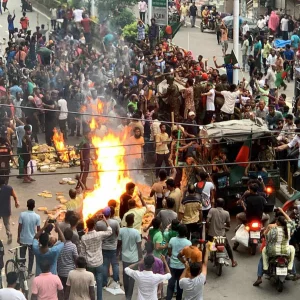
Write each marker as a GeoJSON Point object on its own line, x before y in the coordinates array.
{"type": "Point", "coordinates": [218, 255]}
{"type": "Point", "coordinates": [26, 5]}
{"type": "Point", "coordinates": [278, 270]}
{"type": "Point", "coordinates": [254, 229]}
{"type": "Point", "coordinates": [210, 24]}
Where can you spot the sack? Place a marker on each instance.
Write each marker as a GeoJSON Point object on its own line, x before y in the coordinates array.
{"type": "Point", "coordinates": [204, 198]}
{"type": "Point", "coordinates": [181, 18]}
{"type": "Point", "coordinates": [242, 236]}
{"type": "Point", "coordinates": [31, 167]}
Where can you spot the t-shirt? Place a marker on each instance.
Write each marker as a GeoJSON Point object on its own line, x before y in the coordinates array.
{"type": "Point", "coordinates": [12, 294]}
{"type": "Point", "coordinates": [147, 282]}
{"type": "Point", "coordinates": [29, 220]}
{"type": "Point", "coordinates": [193, 287]}
{"type": "Point", "coordinates": [138, 217]}
{"type": "Point", "coordinates": [210, 101]}
{"type": "Point", "coordinates": [109, 243]}
{"type": "Point", "coordinates": [46, 286]}
{"type": "Point", "coordinates": [295, 41]}
{"type": "Point", "coordinates": [289, 54]}
{"type": "Point", "coordinates": [177, 244]}
{"type": "Point", "coordinates": [24, 22]}
{"type": "Point", "coordinates": [284, 24]}
{"type": "Point", "coordinates": [192, 254]}
{"type": "Point", "coordinates": [86, 25]}
{"type": "Point", "coordinates": [229, 101]}
{"type": "Point", "coordinates": [62, 104]}
{"type": "Point", "coordinates": [136, 147]}
{"type": "Point", "coordinates": [50, 256]}
{"type": "Point", "coordinates": [129, 237]}
{"type": "Point", "coordinates": [166, 216]}
{"type": "Point", "coordinates": [221, 182]}
{"type": "Point", "coordinates": [208, 188]}
{"type": "Point", "coordinates": [190, 208]}
{"type": "Point", "coordinates": [216, 218]}
{"type": "Point", "coordinates": [254, 207]}
{"type": "Point", "coordinates": [77, 13]}
{"type": "Point", "coordinates": [5, 202]}
{"type": "Point", "coordinates": [80, 281]}
{"type": "Point", "coordinates": [159, 239]}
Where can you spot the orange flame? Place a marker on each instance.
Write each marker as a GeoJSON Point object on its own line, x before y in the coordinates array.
{"type": "Point", "coordinates": [58, 140]}
{"type": "Point", "coordinates": [111, 183]}
{"type": "Point", "coordinates": [93, 124]}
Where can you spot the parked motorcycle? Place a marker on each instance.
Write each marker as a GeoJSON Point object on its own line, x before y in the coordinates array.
{"type": "Point", "coordinates": [278, 270]}
{"type": "Point", "coordinates": [219, 256]}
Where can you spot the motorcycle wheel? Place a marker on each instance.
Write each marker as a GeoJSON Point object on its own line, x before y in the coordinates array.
{"type": "Point", "coordinates": [201, 27]}
{"type": "Point", "coordinates": [279, 286]}
{"type": "Point", "coordinates": [235, 246]}
{"type": "Point", "coordinates": [253, 249]}
{"type": "Point", "coordinates": [219, 269]}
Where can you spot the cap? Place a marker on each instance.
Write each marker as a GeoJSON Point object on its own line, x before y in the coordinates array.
{"type": "Point", "coordinates": [106, 211]}
{"type": "Point", "coordinates": [204, 76]}
{"type": "Point", "coordinates": [191, 113]}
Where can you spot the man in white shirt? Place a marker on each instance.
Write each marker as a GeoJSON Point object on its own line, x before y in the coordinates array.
{"type": "Point", "coordinates": [271, 59]}
{"type": "Point", "coordinates": [285, 27]}
{"type": "Point", "coordinates": [154, 127]}
{"type": "Point", "coordinates": [63, 116]}
{"type": "Point", "coordinates": [229, 102]}
{"type": "Point", "coordinates": [142, 5]}
{"type": "Point", "coordinates": [53, 12]}
{"type": "Point", "coordinates": [77, 14]}
{"type": "Point", "coordinates": [193, 286]}
{"type": "Point", "coordinates": [261, 23]}
{"type": "Point", "coordinates": [245, 28]}
{"type": "Point", "coordinates": [270, 79]}
{"type": "Point", "coordinates": [210, 103]}
{"type": "Point", "coordinates": [10, 292]}
{"type": "Point", "coordinates": [288, 130]}
{"type": "Point", "coordinates": [146, 281]}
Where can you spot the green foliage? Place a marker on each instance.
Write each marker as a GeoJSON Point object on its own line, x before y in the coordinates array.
{"type": "Point", "coordinates": [130, 32]}
{"type": "Point", "coordinates": [122, 19]}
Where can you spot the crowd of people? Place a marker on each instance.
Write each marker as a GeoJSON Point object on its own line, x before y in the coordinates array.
{"type": "Point", "coordinates": [161, 96]}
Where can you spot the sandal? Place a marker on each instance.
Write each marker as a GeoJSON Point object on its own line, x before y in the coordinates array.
{"type": "Point", "coordinates": [234, 264]}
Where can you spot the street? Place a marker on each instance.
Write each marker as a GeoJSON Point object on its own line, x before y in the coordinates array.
{"type": "Point", "coordinates": [235, 283]}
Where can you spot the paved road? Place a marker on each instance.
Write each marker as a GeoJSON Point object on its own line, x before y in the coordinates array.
{"type": "Point", "coordinates": [235, 283]}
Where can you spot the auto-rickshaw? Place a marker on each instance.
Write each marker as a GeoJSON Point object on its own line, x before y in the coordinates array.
{"type": "Point", "coordinates": [208, 22]}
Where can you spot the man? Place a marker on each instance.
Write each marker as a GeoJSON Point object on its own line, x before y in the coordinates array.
{"type": "Point", "coordinates": [184, 11]}
{"type": "Point", "coordinates": [262, 110]}
{"type": "Point", "coordinates": [138, 213]}
{"type": "Point", "coordinates": [63, 115]}
{"type": "Point", "coordinates": [220, 179]}
{"type": "Point", "coordinates": [154, 127]}
{"type": "Point", "coordinates": [43, 252]}
{"type": "Point", "coordinates": [67, 257]}
{"type": "Point", "coordinates": [216, 219]}
{"type": "Point", "coordinates": [245, 28]}
{"type": "Point", "coordinates": [129, 245]}
{"type": "Point", "coordinates": [142, 5]}
{"type": "Point", "coordinates": [130, 186]}
{"type": "Point", "coordinates": [271, 59]}
{"type": "Point", "coordinates": [10, 292]}
{"type": "Point", "coordinates": [191, 254]}
{"type": "Point", "coordinates": [167, 215]}
{"type": "Point", "coordinates": [50, 118]}
{"type": "Point", "coordinates": [270, 79]}
{"type": "Point", "coordinates": [284, 23]}
{"type": "Point", "coordinates": [289, 58]}
{"type": "Point", "coordinates": [162, 151]}
{"type": "Point", "coordinates": [46, 285]}
{"type": "Point", "coordinates": [191, 128]}
{"type": "Point", "coordinates": [190, 210]}
{"type": "Point", "coordinates": [153, 34]}
{"type": "Point", "coordinates": [193, 287]}
{"type": "Point", "coordinates": [74, 104]}
{"type": "Point", "coordinates": [261, 23]}
{"type": "Point", "coordinates": [91, 250]}
{"type": "Point", "coordinates": [6, 192]}
{"type": "Point", "coordinates": [53, 12]}
{"type": "Point", "coordinates": [109, 246]}
{"type": "Point", "coordinates": [245, 50]}
{"type": "Point", "coordinates": [86, 25]}
{"type": "Point", "coordinates": [24, 21]}
{"type": "Point", "coordinates": [224, 38]}
{"type": "Point", "coordinates": [193, 14]}
{"type": "Point", "coordinates": [85, 155]}
{"type": "Point", "coordinates": [230, 98]}
{"type": "Point", "coordinates": [273, 117]}
{"type": "Point", "coordinates": [288, 130]}
{"type": "Point", "coordinates": [175, 193]}
{"type": "Point", "coordinates": [253, 206]}
{"type": "Point", "coordinates": [135, 150]}
{"type": "Point", "coordinates": [80, 282]}
{"type": "Point", "coordinates": [146, 290]}
{"type": "Point", "coordinates": [29, 224]}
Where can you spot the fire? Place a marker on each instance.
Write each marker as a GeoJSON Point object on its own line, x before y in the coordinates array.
{"type": "Point", "coordinates": [58, 140]}
{"type": "Point", "coordinates": [110, 183]}
{"type": "Point", "coordinates": [93, 124]}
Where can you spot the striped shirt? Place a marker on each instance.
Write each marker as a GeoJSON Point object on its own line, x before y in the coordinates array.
{"type": "Point", "coordinates": [66, 259]}
{"type": "Point", "coordinates": [91, 247]}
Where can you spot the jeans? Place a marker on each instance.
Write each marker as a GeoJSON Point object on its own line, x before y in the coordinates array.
{"type": "Point", "coordinates": [6, 223]}
{"type": "Point", "coordinates": [23, 251]}
{"type": "Point", "coordinates": [63, 281]}
{"type": "Point", "coordinates": [98, 273]}
{"type": "Point", "coordinates": [128, 282]}
{"type": "Point", "coordinates": [160, 158]}
{"type": "Point", "coordinates": [176, 273]}
{"type": "Point", "coordinates": [143, 16]}
{"type": "Point", "coordinates": [110, 257]}
{"type": "Point", "coordinates": [260, 269]}
{"type": "Point", "coordinates": [193, 21]}
{"type": "Point", "coordinates": [192, 227]}
{"type": "Point", "coordinates": [245, 61]}
{"type": "Point", "coordinates": [63, 128]}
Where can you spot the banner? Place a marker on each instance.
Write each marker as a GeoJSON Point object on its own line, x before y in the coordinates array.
{"type": "Point", "coordinates": [160, 12]}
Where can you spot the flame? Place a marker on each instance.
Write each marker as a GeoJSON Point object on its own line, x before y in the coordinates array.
{"type": "Point", "coordinates": [93, 124]}
{"type": "Point", "coordinates": [58, 140]}
{"type": "Point", "coordinates": [111, 183]}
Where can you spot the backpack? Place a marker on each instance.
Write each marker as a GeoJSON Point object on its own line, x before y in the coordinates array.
{"type": "Point", "coordinates": [204, 198]}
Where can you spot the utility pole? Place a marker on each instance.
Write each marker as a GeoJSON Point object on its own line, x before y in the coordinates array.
{"type": "Point", "coordinates": [236, 25]}
{"type": "Point", "coordinates": [149, 11]}
{"type": "Point", "coordinates": [92, 9]}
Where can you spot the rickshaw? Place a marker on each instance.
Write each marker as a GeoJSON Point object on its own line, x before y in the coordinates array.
{"type": "Point", "coordinates": [210, 22]}
{"type": "Point", "coordinates": [232, 135]}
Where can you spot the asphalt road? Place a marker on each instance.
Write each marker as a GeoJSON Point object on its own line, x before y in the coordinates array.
{"type": "Point", "coordinates": [235, 283]}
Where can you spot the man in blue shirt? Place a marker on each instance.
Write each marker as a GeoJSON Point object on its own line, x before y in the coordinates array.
{"type": "Point", "coordinates": [289, 57]}
{"type": "Point", "coordinates": [42, 251]}
{"type": "Point", "coordinates": [29, 223]}
{"type": "Point", "coordinates": [15, 88]}
{"type": "Point", "coordinates": [295, 40]}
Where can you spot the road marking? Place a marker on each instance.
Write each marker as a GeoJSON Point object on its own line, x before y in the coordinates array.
{"type": "Point", "coordinates": [41, 13]}
{"type": "Point", "coordinates": [1, 26]}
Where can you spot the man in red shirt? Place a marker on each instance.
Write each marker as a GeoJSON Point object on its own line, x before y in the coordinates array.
{"type": "Point", "coordinates": [24, 21]}
{"type": "Point", "coordinates": [86, 24]}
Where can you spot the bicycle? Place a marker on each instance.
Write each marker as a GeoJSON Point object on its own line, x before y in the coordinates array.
{"type": "Point", "coordinates": [17, 265]}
